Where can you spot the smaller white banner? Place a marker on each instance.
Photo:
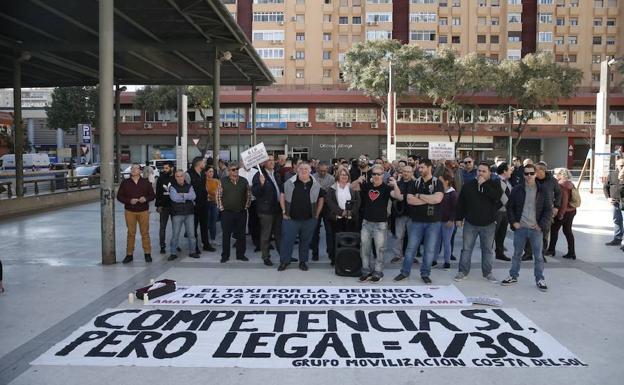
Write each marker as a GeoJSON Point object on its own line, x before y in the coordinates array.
{"type": "Point", "coordinates": [254, 156]}
{"type": "Point", "coordinates": [441, 150]}
{"type": "Point", "coordinates": [359, 296]}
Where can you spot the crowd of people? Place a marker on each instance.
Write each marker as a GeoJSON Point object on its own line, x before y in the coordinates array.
{"type": "Point", "coordinates": [406, 211]}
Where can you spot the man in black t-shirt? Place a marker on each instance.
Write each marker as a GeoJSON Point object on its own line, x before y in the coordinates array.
{"type": "Point", "coordinates": [423, 199]}
{"type": "Point", "coordinates": [375, 197]}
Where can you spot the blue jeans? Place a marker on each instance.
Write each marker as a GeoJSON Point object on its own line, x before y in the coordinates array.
{"type": "Point", "coordinates": [213, 215]}
{"type": "Point", "coordinates": [419, 232]}
{"type": "Point", "coordinates": [290, 229]}
{"type": "Point", "coordinates": [618, 231]}
{"type": "Point", "coordinates": [486, 240]}
{"type": "Point", "coordinates": [520, 237]}
{"type": "Point", "coordinates": [177, 222]}
{"type": "Point", "coordinates": [444, 241]}
{"type": "Point", "coordinates": [370, 231]}
{"type": "Point", "coordinates": [400, 230]}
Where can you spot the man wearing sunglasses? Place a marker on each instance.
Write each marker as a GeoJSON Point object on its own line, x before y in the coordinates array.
{"type": "Point", "coordinates": [529, 211]}
{"type": "Point", "coordinates": [469, 172]}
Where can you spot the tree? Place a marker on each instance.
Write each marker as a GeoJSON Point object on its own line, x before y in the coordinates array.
{"type": "Point", "coordinates": [452, 80]}
{"type": "Point", "coordinates": [72, 106]}
{"type": "Point", "coordinates": [531, 86]}
{"type": "Point", "coordinates": [161, 98]}
{"type": "Point", "coordinates": [366, 69]}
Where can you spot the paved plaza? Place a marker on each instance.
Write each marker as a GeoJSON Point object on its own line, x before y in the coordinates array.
{"type": "Point", "coordinates": [55, 283]}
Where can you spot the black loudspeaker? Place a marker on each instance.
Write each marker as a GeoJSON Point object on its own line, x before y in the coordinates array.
{"type": "Point", "coordinates": [348, 261]}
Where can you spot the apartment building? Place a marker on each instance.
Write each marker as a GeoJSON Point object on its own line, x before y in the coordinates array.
{"type": "Point", "coordinates": [304, 41]}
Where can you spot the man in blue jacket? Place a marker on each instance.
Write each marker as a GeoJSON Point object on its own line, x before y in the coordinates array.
{"type": "Point", "coordinates": [529, 211]}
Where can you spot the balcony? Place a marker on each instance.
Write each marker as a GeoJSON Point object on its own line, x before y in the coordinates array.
{"type": "Point", "coordinates": [575, 11]}
{"type": "Point", "coordinates": [300, 8]}
{"type": "Point", "coordinates": [328, 44]}
{"type": "Point", "coordinates": [561, 29]}
{"type": "Point", "coordinates": [482, 47]}
{"type": "Point", "coordinates": [601, 30]}
{"type": "Point", "coordinates": [573, 48]}
{"type": "Point", "coordinates": [600, 12]}
{"type": "Point", "coordinates": [613, 11]}
{"type": "Point", "coordinates": [328, 26]}
{"type": "Point", "coordinates": [328, 63]}
{"type": "Point", "coordinates": [483, 29]}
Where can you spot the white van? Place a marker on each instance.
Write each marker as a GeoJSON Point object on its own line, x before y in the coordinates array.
{"type": "Point", "coordinates": [34, 161]}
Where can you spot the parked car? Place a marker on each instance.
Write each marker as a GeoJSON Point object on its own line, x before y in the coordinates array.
{"type": "Point", "coordinates": [85, 175]}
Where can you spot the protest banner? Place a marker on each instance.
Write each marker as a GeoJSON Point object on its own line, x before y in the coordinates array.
{"type": "Point", "coordinates": [441, 150]}
{"type": "Point", "coordinates": [253, 156]}
{"type": "Point", "coordinates": [429, 296]}
{"type": "Point", "coordinates": [305, 339]}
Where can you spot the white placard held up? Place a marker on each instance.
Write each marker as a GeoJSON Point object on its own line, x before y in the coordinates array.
{"type": "Point", "coordinates": [441, 150]}
{"type": "Point", "coordinates": [254, 156]}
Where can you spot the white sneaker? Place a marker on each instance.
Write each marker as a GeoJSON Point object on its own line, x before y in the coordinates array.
{"type": "Point", "coordinates": [491, 278]}
{"type": "Point", "coordinates": [460, 277]}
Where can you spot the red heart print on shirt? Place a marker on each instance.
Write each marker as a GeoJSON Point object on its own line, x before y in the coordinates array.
{"type": "Point", "coordinates": [373, 195]}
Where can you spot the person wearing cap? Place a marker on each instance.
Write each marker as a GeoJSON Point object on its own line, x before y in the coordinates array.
{"type": "Point", "coordinates": [233, 200]}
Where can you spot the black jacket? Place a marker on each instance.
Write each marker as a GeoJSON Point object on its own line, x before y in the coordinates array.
{"type": "Point", "coordinates": [266, 197]}
{"type": "Point", "coordinates": [478, 204]}
{"type": "Point", "coordinates": [517, 176]}
{"type": "Point", "coordinates": [543, 206]}
{"type": "Point", "coordinates": [163, 183]}
{"type": "Point", "coordinates": [331, 209]}
{"type": "Point", "coordinates": [198, 181]}
{"type": "Point", "coordinates": [551, 187]}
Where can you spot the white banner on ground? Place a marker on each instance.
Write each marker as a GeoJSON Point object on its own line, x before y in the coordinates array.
{"type": "Point", "coordinates": [318, 338]}
{"type": "Point", "coordinates": [253, 156]}
{"type": "Point", "coordinates": [313, 296]}
{"type": "Point", "coordinates": [441, 150]}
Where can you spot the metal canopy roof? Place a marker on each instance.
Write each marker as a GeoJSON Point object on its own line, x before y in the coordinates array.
{"type": "Point", "coordinates": [156, 42]}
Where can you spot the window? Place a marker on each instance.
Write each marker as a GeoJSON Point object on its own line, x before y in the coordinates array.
{"type": "Point", "coordinates": [610, 40]}
{"type": "Point", "coordinates": [574, 3]}
{"type": "Point", "coordinates": [443, 21]}
{"type": "Point", "coordinates": [610, 22]}
{"type": "Point", "coordinates": [356, 20]}
{"type": "Point", "coordinates": [327, 18]}
{"type": "Point", "coordinates": [572, 58]}
{"type": "Point", "coordinates": [513, 54]}
{"type": "Point", "coordinates": [514, 18]}
{"type": "Point", "coordinates": [545, 37]}
{"type": "Point", "coordinates": [300, 19]}
{"type": "Point", "coordinates": [423, 1]}
{"type": "Point", "coordinates": [612, 3]}
{"type": "Point", "coordinates": [456, 3]}
{"type": "Point", "coordinates": [423, 17]}
{"type": "Point", "coordinates": [572, 40]}
{"type": "Point", "coordinates": [341, 57]}
{"type": "Point", "coordinates": [481, 39]}
{"type": "Point", "coordinates": [344, 3]}
{"type": "Point", "coordinates": [299, 74]}
{"type": "Point", "coordinates": [495, 3]}
{"type": "Point", "coordinates": [282, 114]}
{"type": "Point", "coordinates": [300, 36]}
{"type": "Point", "coordinates": [596, 59]}
{"type": "Point", "coordinates": [494, 39]}
{"type": "Point", "coordinates": [299, 55]}
{"type": "Point", "coordinates": [343, 20]}
{"type": "Point", "coordinates": [419, 115]}
{"type": "Point", "coordinates": [514, 36]}
{"type": "Point", "coordinates": [267, 35]}
{"type": "Point", "coordinates": [481, 20]}
{"type": "Point", "coordinates": [561, 21]}
{"type": "Point", "coordinates": [327, 1]}
{"type": "Point", "coordinates": [277, 72]}
{"type": "Point", "coordinates": [482, 3]}
{"type": "Point", "coordinates": [598, 22]}
{"type": "Point", "coordinates": [379, 1]}
{"type": "Point", "coordinates": [161, 116]}
{"type": "Point", "coordinates": [616, 117]}
{"type": "Point", "coordinates": [327, 73]}
{"type": "Point", "coordinates": [326, 36]}
{"type": "Point", "coordinates": [456, 21]}
{"type": "Point", "coordinates": [455, 40]}
{"type": "Point", "coordinates": [443, 39]}
{"type": "Point", "coordinates": [545, 18]}
{"type": "Point", "coordinates": [559, 40]}
{"type": "Point", "coordinates": [598, 3]}
{"type": "Point", "coordinates": [597, 40]}
{"type": "Point", "coordinates": [271, 53]}
{"type": "Point", "coordinates": [378, 35]}
{"type": "Point", "coordinates": [514, 2]}
{"type": "Point", "coordinates": [494, 20]}
{"type": "Point", "coordinates": [268, 17]}
{"type": "Point", "coordinates": [422, 35]}
{"type": "Point", "coordinates": [560, 3]}
{"type": "Point", "coordinates": [379, 17]}
{"type": "Point", "coordinates": [129, 115]}
{"type": "Point", "coordinates": [265, 2]}
{"type": "Point", "coordinates": [574, 21]}
{"type": "Point", "coordinates": [545, 2]}
{"type": "Point", "coordinates": [584, 117]}
{"type": "Point", "coordinates": [346, 115]}
{"type": "Point", "coordinates": [494, 57]}
{"type": "Point", "coordinates": [326, 55]}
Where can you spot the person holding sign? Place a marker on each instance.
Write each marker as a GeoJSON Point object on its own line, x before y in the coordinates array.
{"type": "Point", "coordinates": [302, 204]}
{"type": "Point", "coordinates": [233, 200]}
{"type": "Point", "coordinates": [529, 211]}
{"type": "Point", "coordinates": [267, 187]}
{"type": "Point", "coordinates": [375, 195]}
